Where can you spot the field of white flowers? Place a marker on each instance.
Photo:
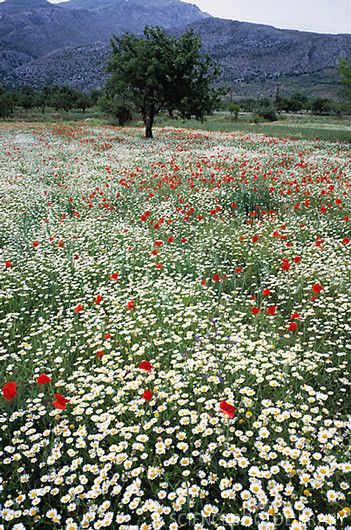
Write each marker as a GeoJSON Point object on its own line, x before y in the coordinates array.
{"type": "Point", "coordinates": [175, 331]}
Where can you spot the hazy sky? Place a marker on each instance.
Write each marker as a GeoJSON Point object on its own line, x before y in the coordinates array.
{"type": "Point", "coordinates": [324, 16]}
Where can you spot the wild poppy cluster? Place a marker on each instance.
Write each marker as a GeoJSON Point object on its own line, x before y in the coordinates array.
{"type": "Point", "coordinates": [175, 332]}
{"type": "Point", "coordinates": [10, 391]}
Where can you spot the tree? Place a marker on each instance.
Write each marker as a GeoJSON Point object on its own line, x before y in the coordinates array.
{"type": "Point", "coordinates": [63, 98]}
{"type": "Point", "coordinates": [120, 110]}
{"type": "Point", "coordinates": [162, 71]}
{"type": "Point", "coordinates": [265, 111]}
{"type": "Point", "coordinates": [26, 98]}
{"type": "Point", "coordinates": [321, 106]}
{"type": "Point", "coordinates": [43, 97]}
{"type": "Point", "coordinates": [345, 71]}
{"type": "Point", "coordinates": [83, 101]}
{"type": "Point", "coordinates": [7, 103]}
{"type": "Point", "coordinates": [234, 109]}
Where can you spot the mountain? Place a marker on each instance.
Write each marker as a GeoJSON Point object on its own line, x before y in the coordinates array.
{"type": "Point", "coordinates": [68, 43]}
{"type": "Point", "coordinates": [24, 4]}
{"type": "Point", "coordinates": [246, 50]}
{"type": "Point", "coordinates": [36, 27]}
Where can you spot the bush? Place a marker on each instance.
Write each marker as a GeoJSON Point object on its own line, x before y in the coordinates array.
{"type": "Point", "coordinates": [248, 104]}
{"type": "Point", "coordinates": [119, 109]}
{"type": "Point", "coordinates": [266, 111]}
{"type": "Point", "coordinates": [6, 104]}
{"type": "Point", "coordinates": [322, 106]}
{"type": "Point", "coordinates": [234, 109]}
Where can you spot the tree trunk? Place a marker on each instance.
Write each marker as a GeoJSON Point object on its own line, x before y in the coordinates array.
{"type": "Point", "coordinates": [148, 127]}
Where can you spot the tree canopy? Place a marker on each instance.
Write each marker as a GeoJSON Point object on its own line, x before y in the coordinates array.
{"type": "Point", "coordinates": [160, 71]}
{"type": "Point", "coordinates": [345, 71]}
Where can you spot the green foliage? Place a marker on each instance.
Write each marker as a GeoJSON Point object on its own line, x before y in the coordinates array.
{"type": "Point", "coordinates": [234, 109]}
{"type": "Point", "coordinates": [59, 98]}
{"type": "Point", "coordinates": [265, 111]}
{"type": "Point", "coordinates": [248, 104]}
{"type": "Point", "coordinates": [345, 71]}
{"type": "Point", "coordinates": [63, 98]}
{"type": "Point", "coordinates": [294, 103]}
{"type": "Point", "coordinates": [120, 109]}
{"type": "Point", "coordinates": [321, 106]}
{"type": "Point", "coordinates": [160, 71]}
{"type": "Point", "coordinates": [7, 103]}
{"type": "Point", "coordinates": [26, 98]}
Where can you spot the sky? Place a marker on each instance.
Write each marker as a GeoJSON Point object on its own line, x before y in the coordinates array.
{"type": "Point", "coordinates": [323, 16]}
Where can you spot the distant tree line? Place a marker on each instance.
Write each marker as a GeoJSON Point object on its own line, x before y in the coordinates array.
{"type": "Point", "coordinates": [266, 109]}
{"type": "Point", "coordinates": [56, 97]}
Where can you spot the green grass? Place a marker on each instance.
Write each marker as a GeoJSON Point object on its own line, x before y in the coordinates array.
{"type": "Point", "coordinates": [302, 127]}
{"type": "Point", "coordinates": [299, 126]}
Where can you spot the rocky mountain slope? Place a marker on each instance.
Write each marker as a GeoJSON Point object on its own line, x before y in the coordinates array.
{"type": "Point", "coordinates": [36, 27]}
{"type": "Point", "coordinates": [68, 44]}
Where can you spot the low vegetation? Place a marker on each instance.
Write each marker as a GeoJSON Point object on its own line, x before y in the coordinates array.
{"type": "Point", "coordinates": [175, 346]}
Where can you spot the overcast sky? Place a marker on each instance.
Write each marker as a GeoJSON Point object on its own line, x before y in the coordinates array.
{"type": "Point", "coordinates": [324, 16]}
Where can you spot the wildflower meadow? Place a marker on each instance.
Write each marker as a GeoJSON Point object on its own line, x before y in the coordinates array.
{"type": "Point", "coordinates": [175, 324]}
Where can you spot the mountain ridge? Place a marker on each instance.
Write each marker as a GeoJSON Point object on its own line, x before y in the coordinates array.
{"type": "Point", "coordinates": [67, 44]}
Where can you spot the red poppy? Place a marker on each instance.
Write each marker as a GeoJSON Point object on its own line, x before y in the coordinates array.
{"type": "Point", "coordinates": [60, 402]}
{"type": "Point", "coordinates": [61, 244]}
{"type": "Point", "coordinates": [114, 276]}
{"type": "Point", "coordinates": [145, 365]}
{"type": "Point", "coordinates": [297, 259]}
{"type": "Point", "coordinates": [345, 241]}
{"type": "Point", "coordinates": [43, 379]}
{"type": "Point", "coordinates": [130, 304]}
{"type": "Point", "coordinates": [271, 310]}
{"type": "Point", "coordinates": [285, 266]}
{"type": "Point", "coordinates": [158, 243]}
{"type": "Point", "coordinates": [216, 278]}
{"type": "Point", "coordinates": [8, 264]}
{"type": "Point", "coordinates": [9, 390]}
{"type": "Point", "coordinates": [98, 299]}
{"type": "Point", "coordinates": [78, 308]}
{"type": "Point", "coordinates": [35, 244]}
{"type": "Point", "coordinates": [266, 292]}
{"type": "Point", "coordinates": [238, 270]}
{"type": "Point", "coordinates": [254, 239]}
{"type": "Point", "coordinates": [107, 336]}
{"type": "Point", "coordinates": [295, 315]}
{"type": "Point", "coordinates": [183, 240]}
{"type": "Point", "coordinates": [100, 354]}
{"type": "Point", "coordinates": [227, 409]}
{"type": "Point", "coordinates": [170, 239]}
{"type": "Point", "coordinates": [147, 395]}
{"type": "Point", "coordinates": [317, 288]}
{"type": "Point", "coordinates": [292, 326]}
{"type": "Point", "coordinates": [234, 205]}
{"type": "Point", "coordinates": [255, 310]}
{"type": "Point", "coordinates": [203, 282]}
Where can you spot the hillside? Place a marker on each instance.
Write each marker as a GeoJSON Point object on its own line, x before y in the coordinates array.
{"type": "Point", "coordinates": [36, 27]}
{"type": "Point", "coordinates": [42, 43]}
